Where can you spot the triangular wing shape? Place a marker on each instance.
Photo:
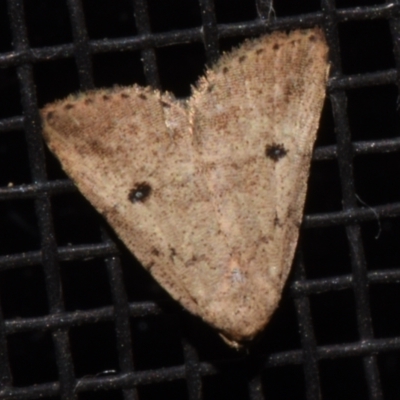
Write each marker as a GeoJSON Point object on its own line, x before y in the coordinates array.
{"type": "Point", "coordinates": [208, 193]}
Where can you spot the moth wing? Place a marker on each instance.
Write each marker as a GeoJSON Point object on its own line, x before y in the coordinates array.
{"type": "Point", "coordinates": [254, 118]}
{"type": "Point", "coordinates": [207, 195]}
{"type": "Point", "coordinates": [129, 152]}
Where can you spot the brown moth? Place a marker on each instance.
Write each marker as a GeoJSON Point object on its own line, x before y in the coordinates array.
{"type": "Point", "coordinates": [208, 193]}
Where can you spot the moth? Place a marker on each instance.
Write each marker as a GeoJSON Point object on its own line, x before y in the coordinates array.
{"type": "Point", "coordinates": [208, 193]}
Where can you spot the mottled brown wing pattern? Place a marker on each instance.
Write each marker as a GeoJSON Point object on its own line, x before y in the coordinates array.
{"type": "Point", "coordinates": [208, 193]}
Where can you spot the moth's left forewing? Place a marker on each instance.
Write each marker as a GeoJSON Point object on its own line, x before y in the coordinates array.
{"type": "Point", "coordinates": [127, 151]}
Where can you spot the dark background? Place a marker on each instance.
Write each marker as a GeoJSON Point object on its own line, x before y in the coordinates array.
{"type": "Point", "coordinates": [336, 333]}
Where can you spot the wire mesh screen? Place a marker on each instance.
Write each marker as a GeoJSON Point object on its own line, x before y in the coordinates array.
{"type": "Point", "coordinates": [81, 319]}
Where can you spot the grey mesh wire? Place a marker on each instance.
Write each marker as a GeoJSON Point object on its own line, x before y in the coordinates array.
{"type": "Point", "coordinates": [81, 319]}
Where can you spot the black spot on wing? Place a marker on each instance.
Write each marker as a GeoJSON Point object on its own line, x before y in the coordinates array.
{"type": "Point", "coordinates": [275, 151]}
{"type": "Point", "coordinates": [140, 192]}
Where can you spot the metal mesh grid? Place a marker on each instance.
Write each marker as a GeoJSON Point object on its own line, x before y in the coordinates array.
{"type": "Point", "coordinates": [83, 328]}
